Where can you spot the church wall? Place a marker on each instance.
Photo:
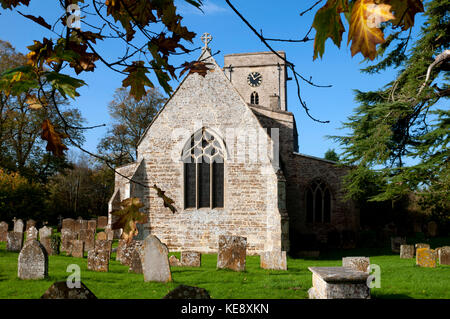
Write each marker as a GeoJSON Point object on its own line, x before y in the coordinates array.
{"type": "Point", "coordinates": [248, 185]}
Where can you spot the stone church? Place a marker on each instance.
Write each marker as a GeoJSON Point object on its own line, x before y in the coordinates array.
{"type": "Point", "coordinates": [225, 148]}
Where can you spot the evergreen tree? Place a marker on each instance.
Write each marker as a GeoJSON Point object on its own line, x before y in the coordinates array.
{"type": "Point", "coordinates": [331, 155]}
{"type": "Point", "coordinates": [400, 133]}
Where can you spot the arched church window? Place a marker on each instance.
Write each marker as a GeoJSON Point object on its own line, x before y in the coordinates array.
{"type": "Point", "coordinates": [318, 202]}
{"type": "Point", "coordinates": [254, 98]}
{"type": "Point", "coordinates": [203, 171]}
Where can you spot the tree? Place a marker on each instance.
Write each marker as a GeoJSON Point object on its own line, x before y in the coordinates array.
{"type": "Point", "coordinates": [21, 126]}
{"type": "Point", "coordinates": [132, 117]}
{"type": "Point", "coordinates": [331, 155]}
{"type": "Point", "coordinates": [401, 133]}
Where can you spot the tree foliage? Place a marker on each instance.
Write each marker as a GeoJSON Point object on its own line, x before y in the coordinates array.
{"type": "Point", "coordinates": [401, 132]}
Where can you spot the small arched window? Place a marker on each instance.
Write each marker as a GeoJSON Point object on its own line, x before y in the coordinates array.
{"type": "Point", "coordinates": [254, 98]}
{"type": "Point", "coordinates": [318, 202]}
{"type": "Point", "coordinates": [203, 171]}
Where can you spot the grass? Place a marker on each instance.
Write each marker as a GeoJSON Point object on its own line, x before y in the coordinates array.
{"type": "Point", "coordinates": [400, 278]}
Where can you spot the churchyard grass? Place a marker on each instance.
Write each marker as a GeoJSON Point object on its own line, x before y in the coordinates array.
{"type": "Point", "coordinates": [400, 278]}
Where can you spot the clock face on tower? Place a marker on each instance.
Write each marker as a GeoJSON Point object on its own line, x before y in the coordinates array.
{"type": "Point", "coordinates": [254, 79]}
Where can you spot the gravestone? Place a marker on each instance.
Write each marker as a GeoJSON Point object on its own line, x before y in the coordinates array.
{"type": "Point", "coordinates": [407, 251]}
{"type": "Point", "coordinates": [232, 253]}
{"type": "Point", "coordinates": [396, 242]}
{"type": "Point", "coordinates": [81, 224]}
{"type": "Point", "coordinates": [51, 244]}
{"type": "Point", "coordinates": [136, 263]}
{"type": "Point", "coordinates": [444, 255]}
{"type": "Point", "coordinates": [18, 226]}
{"type": "Point", "coordinates": [45, 232]}
{"type": "Point", "coordinates": [3, 231]}
{"type": "Point", "coordinates": [33, 261]}
{"type": "Point", "coordinates": [104, 245]}
{"type": "Point", "coordinates": [426, 257]}
{"type": "Point", "coordinates": [102, 222]}
{"type": "Point", "coordinates": [275, 260]}
{"type": "Point", "coordinates": [92, 225]}
{"type": "Point", "coordinates": [102, 236]}
{"type": "Point", "coordinates": [187, 292]}
{"type": "Point", "coordinates": [357, 263]}
{"type": "Point", "coordinates": [68, 223]}
{"type": "Point", "coordinates": [98, 260]}
{"type": "Point", "coordinates": [30, 223]}
{"type": "Point", "coordinates": [174, 261]}
{"type": "Point", "coordinates": [32, 233]}
{"type": "Point", "coordinates": [109, 234]}
{"type": "Point", "coordinates": [421, 245]}
{"type": "Point", "coordinates": [67, 235]}
{"type": "Point", "coordinates": [14, 241]}
{"type": "Point", "coordinates": [155, 261]}
{"type": "Point", "coordinates": [191, 259]}
{"type": "Point", "coordinates": [77, 248]}
{"type": "Point", "coordinates": [59, 290]}
{"type": "Point", "coordinates": [88, 236]}
{"type": "Point", "coordinates": [432, 228]}
{"type": "Point", "coordinates": [125, 251]}
{"type": "Point", "coordinates": [338, 283]}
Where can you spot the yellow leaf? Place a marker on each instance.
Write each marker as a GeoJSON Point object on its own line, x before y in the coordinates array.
{"type": "Point", "coordinates": [33, 102]}
{"type": "Point", "coordinates": [365, 31]}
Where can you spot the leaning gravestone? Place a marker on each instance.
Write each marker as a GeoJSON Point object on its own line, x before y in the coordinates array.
{"type": "Point", "coordinates": [188, 292]}
{"type": "Point", "coordinates": [3, 231]}
{"type": "Point", "coordinates": [426, 257]}
{"type": "Point", "coordinates": [407, 251]}
{"type": "Point", "coordinates": [59, 290]}
{"type": "Point", "coordinates": [88, 236]}
{"type": "Point", "coordinates": [174, 261]}
{"type": "Point", "coordinates": [32, 233]}
{"type": "Point", "coordinates": [18, 226]}
{"type": "Point", "coordinates": [275, 260]}
{"type": "Point", "coordinates": [77, 248]}
{"type": "Point", "coordinates": [232, 252]}
{"type": "Point", "coordinates": [45, 232]}
{"type": "Point", "coordinates": [30, 223]}
{"type": "Point", "coordinates": [155, 261]}
{"type": "Point", "coordinates": [444, 255]}
{"type": "Point", "coordinates": [191, 259]}
{"type": "Point", "coordinates": [33, 261]}
{"type": "Point", "coordinates": [14, 241]}
{"type": "Point", "coordinates": [357, 263]}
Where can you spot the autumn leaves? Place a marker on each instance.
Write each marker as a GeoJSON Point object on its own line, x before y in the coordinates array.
{"type": "Point", "coordinates": [365, 18]}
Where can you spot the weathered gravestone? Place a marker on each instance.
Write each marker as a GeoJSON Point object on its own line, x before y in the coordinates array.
{"type": "Point", "coordinates": [88, 236]}
{"type": "Point", "coordinates": [444, 255]}
{"type": "Point", "coordinates": [102, 236]}
{"type": "Point", "coordinates": [30, 223]}
{"type": "Point", "coordinates": [92, 225]}
{"type": "Point", "coordinates": [102, 222]}
{"type": "Point", "coordinates": [191, 259]}
{"type": "Point", "coordinates": [432, 228]}
{"type": "Point", "coordinates": [174, 261]}
{"type": "Point", "coordinates": [125, 251]}
{"type": "Point", "coordinates": [357, 263]}
{"type": "Point", "coordinates": [51, 244]}
{"type": "Point", "coordinates": [109, 234]}
{"type": "Point", "coordinates": [33, 261]}
{"type": "Point", "coordinates": [59, 290]}
{"type": "Point", "coordinates": [155, 261]}
{"type": "Point", "coordinates": [104, 245]}
{"type": "Point", "coordinates": [45, 232]}
{"type": "Point", "coordinates": [136, 263]}
{"type": "Point", "coordinates": [396, 242]}
{"type": "Point", "coordinates": [3, 231]}
{"type": "Point", "coordinates": [275, 260]}
{"type": "Point", "coordinates": [407, 251]}
{"type": "Point", "coordinates": [232, 252]}
{"type": "Point", "coordinates": [98, 260]}
{"type": "Point", "coordinates": [18, 226]}
{"type": "Point", "coordinates": [77, 248]}
{"type": "Point", "coordinates": [81, 224]}
{"type": "Point", "coordinates": [426, 257]}
{"type": "Point", "coordinates": [32, 233]}
{"type": "Point", "coordinates": [422, 245]}
{"type": "Point", "coordinates": [68, 223]}
{"type": "Point", "coordinates": [14, 241]}
{"type": "Point", "coordinates": [67, 235]}
{"type": "Point", "coordinates": [188, 292]}
{"type": "Point", "coordinates": [338, 283]}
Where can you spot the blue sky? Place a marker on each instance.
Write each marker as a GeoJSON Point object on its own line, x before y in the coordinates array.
{"type": "Point", "coordinates": [276, 19]}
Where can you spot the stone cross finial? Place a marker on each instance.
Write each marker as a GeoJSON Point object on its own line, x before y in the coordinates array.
{"type": "Point", "coordinates": [206, 38]}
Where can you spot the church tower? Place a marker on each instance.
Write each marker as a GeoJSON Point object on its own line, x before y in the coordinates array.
{"type": "Point", "coordinates": [259, 77]}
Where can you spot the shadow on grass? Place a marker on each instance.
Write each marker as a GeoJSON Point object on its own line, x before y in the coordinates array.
{"type": "Point", "coordinates": [392, 296]}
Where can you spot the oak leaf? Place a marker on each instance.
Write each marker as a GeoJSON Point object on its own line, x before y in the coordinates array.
{"type": "Point", "coordinates": [53, 138]}
{"type": "Point", "coordinates": [195, 67]}
{"type": "Point", "coordinates": [365, 32]}
{"type": "Point", "coordinates": [405, 11]}
{"type": "Point", "coordinates": [33, 102]}
{"type": "Point", "coordinates": [128, 216]}
{"type": "Point", "coordinates": [167, 201]}
{"type": "Point", "coordinates": [137, 79]}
